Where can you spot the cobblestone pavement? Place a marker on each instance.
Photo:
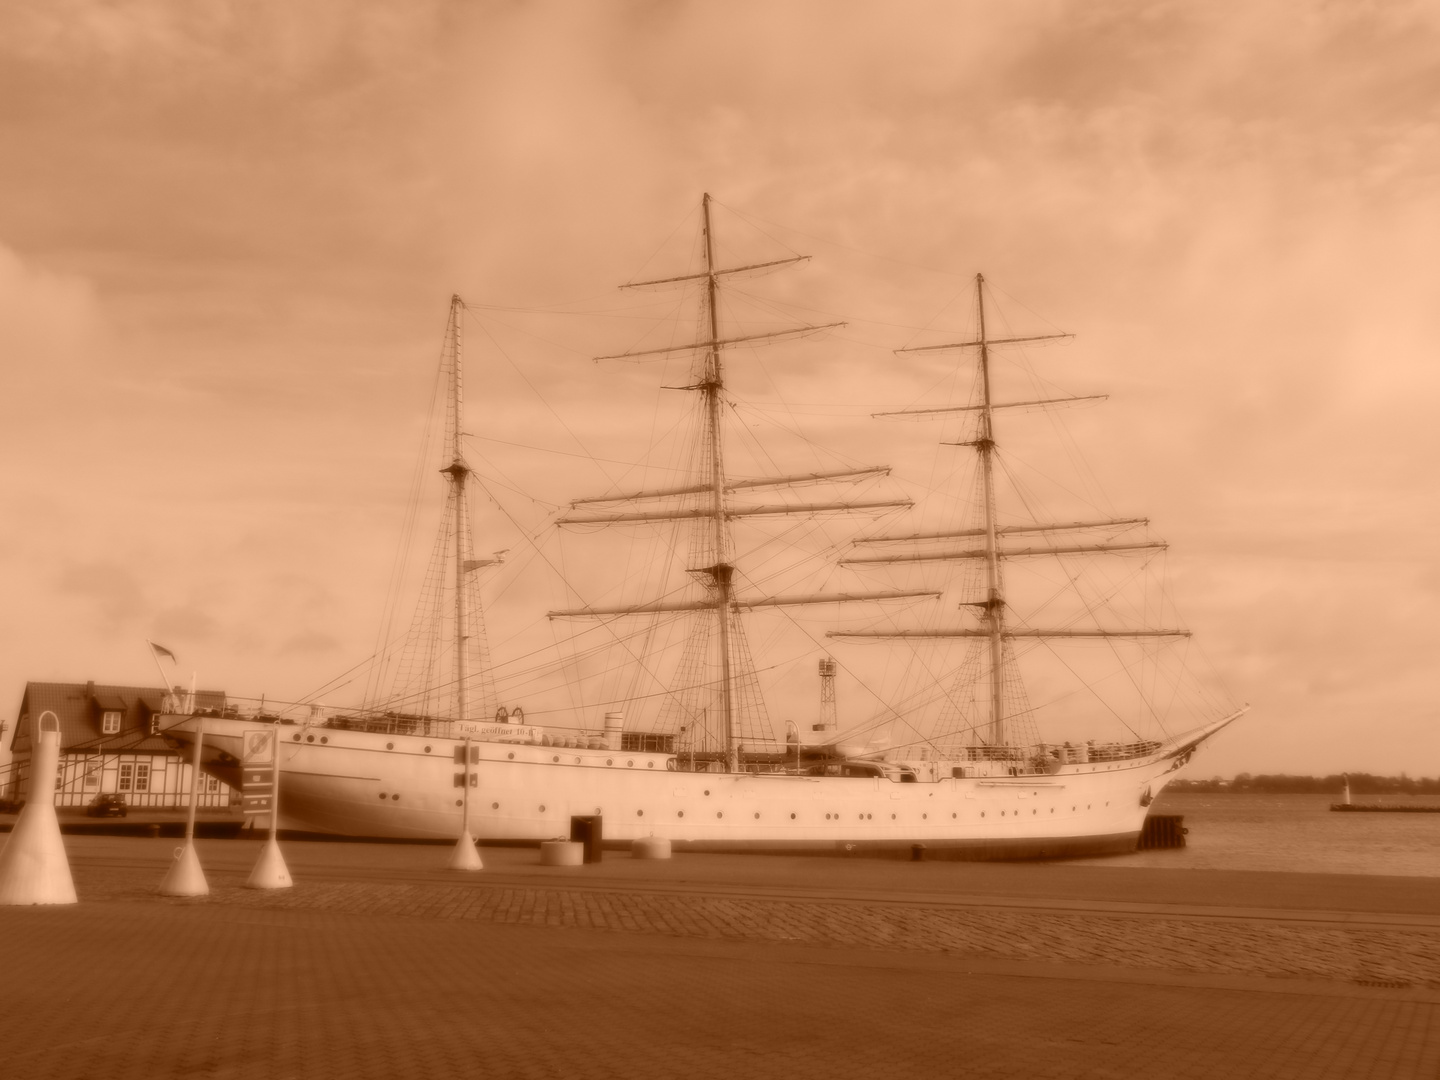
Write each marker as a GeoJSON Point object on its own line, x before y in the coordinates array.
{"type": "Point", "coordinates": [1405, 956]}
{"type": "Point", "coordinates": [463, 976]}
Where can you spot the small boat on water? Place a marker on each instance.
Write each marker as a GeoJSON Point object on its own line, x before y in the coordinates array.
{"type": "Point", "coordinates": [951, 759]}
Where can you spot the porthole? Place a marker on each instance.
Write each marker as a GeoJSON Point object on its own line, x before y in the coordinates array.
{"type": "Point", "coordinates": [296, 736]}
{"type": "Point", "coordinates": [395, 797]}
{"type": "Point", "coordinates": [924, 817]}
{"type": "Point", "coordinates": [1034, 811]}
{"type": "Point", "coordinates": [427, 749]}
{"type": "Point", "coordinates": [542, 809]}
{"type": "Point", "coordinates": [630, 764]}
{"type": "Point", "coordinates": [649, 764]}
{"type": "Point", "coordinates": [861, 816]}
{"type": "Point", "coordinates": [892, 817]}
{"type": "Point", "coordinates": [982, 813]}
{"type": "Point", "coordinates": [719, 813]}
{"type": "Point", "coordinates": [792, 817]}
{"type": "Point", "coordinates": [309, 738]}
{"type": "Point", "coordinates": [511, 756]}
{"type": "Point", "coordinates": [555, 758]}
{"type": "Point", "coordinates": [609, 761]}
{"type": "Point", "coordinates": [382, 795]}
{"type": "Point", "coordinates": [641, 813]}
{"type": "Point", "coordinates": [326, 738]}
{"type": "Point", "coordinates": [494, 806]}
{"type": "Point", "coordinates": [707, 791]}
{"type": "Point", "coordinates": [757, 815]}
{"type": "Point", "coordinates": [953, 815]}
{"type": "Point", "coordinates": [680, 814]}
{"type": "Point", "coordinates": [577, 761]}
{"type": "Point", "coordinates": [827, 817]}
{"type": "Point", "coordinates": [389, 746]}
{"type": "Point", "coordinates": [1052, 809]}
{"type": "Point", "coordinates": [459, 802]}
{"type": "Point", "coordinates": [1002, 813]}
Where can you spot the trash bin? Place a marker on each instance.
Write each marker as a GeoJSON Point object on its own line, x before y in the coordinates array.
{"type": "Point", "coordinates": [586, 829]}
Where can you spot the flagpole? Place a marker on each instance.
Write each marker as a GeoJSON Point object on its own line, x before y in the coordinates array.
{"type": "Point", "coordinates": [164, 680]}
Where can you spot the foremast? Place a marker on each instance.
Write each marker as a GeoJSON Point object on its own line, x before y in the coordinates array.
{"type": "Point", "coordinates": [439, 669]}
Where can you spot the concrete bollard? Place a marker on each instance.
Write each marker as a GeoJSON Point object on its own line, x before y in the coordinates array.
{"type": "Point", "coordinates": [185, 878]}
{"type": "Point", "coordinates": [33, 867]}
{"type": "Point", "coordinates": [650, 847]}
{"type": "Point", "coordinates": [270, 870]}
{"type": "Point", "coordinates": [562, 853]}
{"type": "Point", "coordinates": [465, 855]}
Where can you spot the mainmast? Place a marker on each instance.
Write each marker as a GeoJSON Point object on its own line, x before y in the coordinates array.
{"type": "Point", "coordinates": [712, 490]}
{"type": "Point", "coordinates": [722, 573]}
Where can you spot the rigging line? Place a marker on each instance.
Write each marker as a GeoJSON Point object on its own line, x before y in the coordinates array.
{"type": "Point", "coordinates": [560, 308]}
{"type": "Point", "coordinates": [786, 308]}
{"type": "Point", "coordinates": [409, 522]}
{"type": "Point", "coordinates": [534, 390]}
{"type": "Point", "coordinates": [687, 219]}
{"type": "Point", "coordinates": [842, 247]}
{"type": "Point", "coordinates": [995, 288]}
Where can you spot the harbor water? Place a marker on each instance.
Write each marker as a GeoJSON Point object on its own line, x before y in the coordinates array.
{"type": "Point", "coordinates": [1295, 833]}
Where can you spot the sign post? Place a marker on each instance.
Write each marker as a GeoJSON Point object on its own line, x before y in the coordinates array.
{"type": "Point", "coordinates": [260, 789]}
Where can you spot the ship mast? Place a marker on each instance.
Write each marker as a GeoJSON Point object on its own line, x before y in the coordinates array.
{"type": "Point", "coordinates": [721, 573]}
{"type": "Point", "coordinates": [994, 605]}
{"type": "Point", "coordinates": [458, 472]}
{"type": "Point", "coordinates": [713, 490]}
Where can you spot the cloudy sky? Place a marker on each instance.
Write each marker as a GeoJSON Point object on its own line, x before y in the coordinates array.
{"type": "Point", "coordinates": [229, 232]}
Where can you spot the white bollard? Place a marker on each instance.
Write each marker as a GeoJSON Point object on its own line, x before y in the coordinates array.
{"type": "Point", "coordinates": [270, 870]}
{"type": "Point", "coordinates": [33, 866]}
{"type": "Point", "coordinates": [465, 855]}
{"type": "Point", "coordinates": [185, 877]}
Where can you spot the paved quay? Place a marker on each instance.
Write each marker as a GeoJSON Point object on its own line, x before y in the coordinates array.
{"type": "Point", "coordinates": [379, 962]}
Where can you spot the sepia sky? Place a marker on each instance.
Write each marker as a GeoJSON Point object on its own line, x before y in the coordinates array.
{"type": "Point", "coordinates": [229, 232]}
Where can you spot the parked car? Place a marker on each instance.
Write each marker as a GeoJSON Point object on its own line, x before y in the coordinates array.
{"type": "Point", "coordinates": [107, 806]}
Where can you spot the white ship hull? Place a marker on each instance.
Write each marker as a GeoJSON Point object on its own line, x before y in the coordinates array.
{"type": "Point", "coordinates": [363, 784]}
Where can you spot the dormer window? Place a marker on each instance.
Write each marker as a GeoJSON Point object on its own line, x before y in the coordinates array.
{"type": "Point", "coordinates": [110, 723]}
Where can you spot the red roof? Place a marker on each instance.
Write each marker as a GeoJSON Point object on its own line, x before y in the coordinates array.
{"type": "Point", "coordinates": [81, 708]}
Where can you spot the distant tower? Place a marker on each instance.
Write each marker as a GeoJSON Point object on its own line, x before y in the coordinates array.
{"type": "Point", "coordinates": [829, 718]}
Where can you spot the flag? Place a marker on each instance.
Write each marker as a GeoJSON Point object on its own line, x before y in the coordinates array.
{"type": "Point", "coordinates": [160, 650]}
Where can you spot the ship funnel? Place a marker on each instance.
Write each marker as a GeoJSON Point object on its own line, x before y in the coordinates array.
{"type": "Point", "coordinates": [614, 725]}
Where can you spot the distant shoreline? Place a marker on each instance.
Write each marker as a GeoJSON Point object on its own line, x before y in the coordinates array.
{"type": "Point", "coordinates": [1282, 784]}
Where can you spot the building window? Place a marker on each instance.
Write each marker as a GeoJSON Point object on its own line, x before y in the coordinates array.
{"type": "Point", "coordinates": [92, 778]}
{"type": "Point", "coordinates": [110, 723]}
{"type": "Point", "coordinates": [127, 776]}
{"type": "Point", "coordinates": [142, 776]}
{"type": "Point", "coordinates": [212, 783]}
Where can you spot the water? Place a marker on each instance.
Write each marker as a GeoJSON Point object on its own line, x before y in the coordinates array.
{"type": "Point", "coordinates": [1296, 833]}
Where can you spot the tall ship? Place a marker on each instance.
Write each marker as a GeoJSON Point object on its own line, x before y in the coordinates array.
{"type": "Point", "coordinates": [657, 715]}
